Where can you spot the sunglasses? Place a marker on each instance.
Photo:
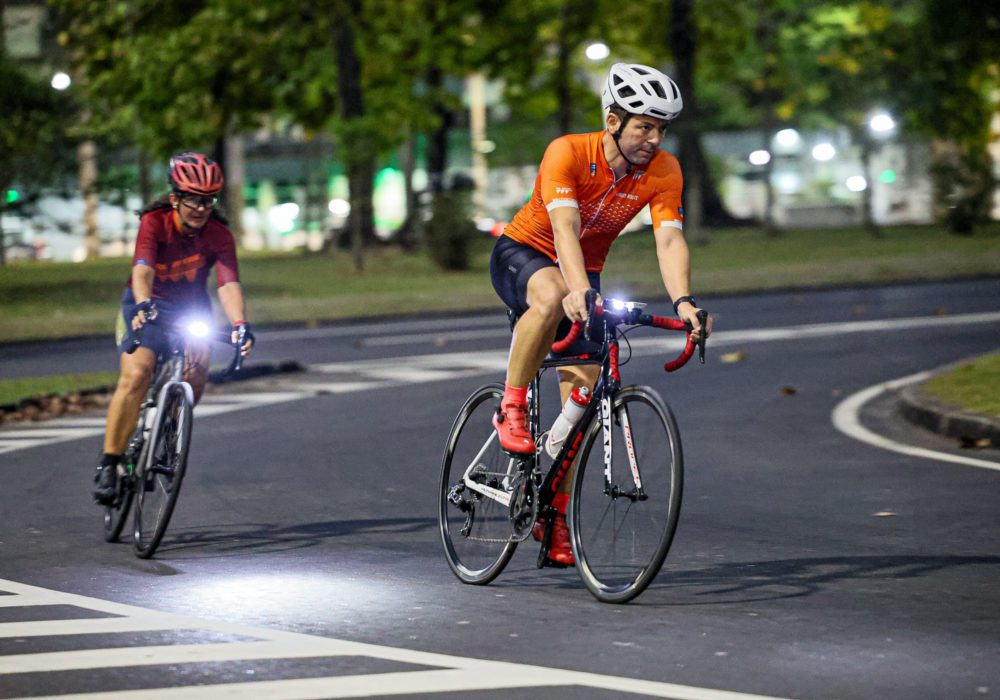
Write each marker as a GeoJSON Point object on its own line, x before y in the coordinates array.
{"type": "Point", "coordinates": [193, 201]}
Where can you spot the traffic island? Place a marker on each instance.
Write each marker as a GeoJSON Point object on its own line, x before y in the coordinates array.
{"type": "Point", "coordinates": [970, 428]}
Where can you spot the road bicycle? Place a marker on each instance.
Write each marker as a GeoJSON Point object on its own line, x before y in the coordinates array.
{"type": "Point", "coordinates": [155, 460]}
{"type": "Point", "coordinates": [625, 493]}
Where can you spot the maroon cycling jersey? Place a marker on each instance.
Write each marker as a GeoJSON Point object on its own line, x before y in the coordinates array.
{"type": "Point", "coordinates": [182, 263]}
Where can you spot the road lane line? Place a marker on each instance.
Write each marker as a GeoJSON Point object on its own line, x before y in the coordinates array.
{"type": "Point", "coordinates": [46, 662]}
{"type": "Point", "coordinates": [445, 674]}
{"type": "Point", "coordinates": [846, 419]}
{"type": "Point", "coordinates": [106, 625]}
{"type": "Point", "coordinates": [432, 337]}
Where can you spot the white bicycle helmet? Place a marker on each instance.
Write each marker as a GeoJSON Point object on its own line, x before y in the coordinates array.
{"type": "Point", "coordinates": [642, 90]}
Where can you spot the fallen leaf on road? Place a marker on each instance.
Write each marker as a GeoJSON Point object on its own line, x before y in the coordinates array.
{"type": "Point", "coordinates": [731, 357]}
{"type": "Point", "coordinates": [788, 390]}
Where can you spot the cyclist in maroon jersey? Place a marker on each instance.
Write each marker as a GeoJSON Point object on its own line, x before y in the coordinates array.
{"type": "Point", "coordinates": [181, 237]}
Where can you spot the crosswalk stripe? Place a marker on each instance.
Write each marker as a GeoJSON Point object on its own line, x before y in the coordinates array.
{"type": "Point", "coordinates": [146, 656]}
{"type": "Point", "coordinates": [65, 429]}
{"type": "Point", "coordinates": [101, 625]}
{"type": "Point", "coordinates": [444, 674]}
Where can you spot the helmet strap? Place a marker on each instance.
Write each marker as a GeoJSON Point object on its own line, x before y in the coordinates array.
{"type": "Point", "coordinates": [617, 136]}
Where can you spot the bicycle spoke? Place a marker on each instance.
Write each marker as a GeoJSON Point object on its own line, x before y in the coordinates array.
{"type": "Point", "coordinates": [474, 510]}
{"type": "Point", "coordinates": [621, 538]}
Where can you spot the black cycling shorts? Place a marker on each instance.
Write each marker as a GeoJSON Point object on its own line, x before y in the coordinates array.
{"type": "Point", "coordinates": [512, 265]}
{"type": "Point", "coordinates": [153, 336]}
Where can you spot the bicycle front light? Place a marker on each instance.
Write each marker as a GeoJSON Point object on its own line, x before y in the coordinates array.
{"type": "Point", "coordinates": [198, 329]}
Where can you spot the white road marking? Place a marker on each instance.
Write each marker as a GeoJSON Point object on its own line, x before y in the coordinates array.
{"type": "Point", "coordinates": [363, 375]}
{"type": "Point", "coordinates": [845, 419]}
{"type": "Point", "coordinates": [444, 674]}
{"type": "Point", "coordinates": [420, 328]}
{"type": "Point", "coordinates": [65, 429]}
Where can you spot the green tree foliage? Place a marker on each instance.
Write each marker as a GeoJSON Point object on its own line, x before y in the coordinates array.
{"type": "Point", "coordinates": [33, 132]}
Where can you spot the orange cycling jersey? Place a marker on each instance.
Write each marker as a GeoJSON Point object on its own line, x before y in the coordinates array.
{"type": "Point", "coordinates": [575, 173]}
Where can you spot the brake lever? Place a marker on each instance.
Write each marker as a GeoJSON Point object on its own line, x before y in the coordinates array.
{"type": "Point", "coordinates": [703, 319]}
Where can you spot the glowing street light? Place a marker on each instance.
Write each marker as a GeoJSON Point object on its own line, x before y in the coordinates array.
{"type": "Point", "coordinates": [856, 183]}
{"type": "Point", "coordinates": [787, 138]}
{"type": "Point", "coordinates": [598, 51]}
{"type": "Point", "coordinates": [824, 151]}
{"type": "Point", "coordinates": [881, 123]}
{"type": "Point", "coordinates": [61, 81]}
{"type": "Point", "coordinates": [760, 157]}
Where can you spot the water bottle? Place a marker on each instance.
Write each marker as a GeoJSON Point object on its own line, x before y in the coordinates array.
{"type": "Point", "coordinates": [567, 418]}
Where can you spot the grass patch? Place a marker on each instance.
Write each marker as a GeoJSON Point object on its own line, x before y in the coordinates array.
{"type": "Point", "coordinates": [49, 300]}
{"type": "Point", "coordinates": [13, 391]}
{"type": "Point", "coordinates": [975, 386]}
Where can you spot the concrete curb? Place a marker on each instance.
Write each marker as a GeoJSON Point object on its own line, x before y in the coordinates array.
{"type": "Point", "coordinates": [929, 412]}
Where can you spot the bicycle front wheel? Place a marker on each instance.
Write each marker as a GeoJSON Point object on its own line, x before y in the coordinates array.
{"type": "Point", "coordinates": [159, 481]}
{"type": "Point", "coordinates": [623, 513]}
{"type": "Point", "coordinates": [475, 527]}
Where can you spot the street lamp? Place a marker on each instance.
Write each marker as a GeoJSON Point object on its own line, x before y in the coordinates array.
{"type": "Point", "coordinates": [881, 123]}
{"type": "Point", "coordinates": [823, 151]}
{"type": "Point", "coordinates": [60, 81]}
{"type": "Point", "coordinates": [598, 51]}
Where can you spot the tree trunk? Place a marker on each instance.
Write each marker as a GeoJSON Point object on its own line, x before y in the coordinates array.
{"type": "Point", "coordinates": [437, 140]}
{"type": "Point", "coordinates": [770, 227]}
{"type": "Point", "coordinates": [359, 151]}
{"type": "Point", "coordinates": [86, 156]}
{"type": "Point", "coordinates": [410, 233]}
{"type": "Point", "coordinates": [3, 236]}
{"type": "Point", "coordinates": [564, 100]}
{"type": "Point", "coordinates": [866, 196]}
{"type": "Point", "coordinates": [145, 186]}
{"type": "Point", "coordinates": [235, 175]}
{"type": "Point", "coordinates": [683, 41]}
{"type": "Point", "coordinates": [476, 88]}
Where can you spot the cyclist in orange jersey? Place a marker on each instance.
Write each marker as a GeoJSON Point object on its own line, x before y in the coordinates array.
{"type": "Point", "coordinates": [589, 187]}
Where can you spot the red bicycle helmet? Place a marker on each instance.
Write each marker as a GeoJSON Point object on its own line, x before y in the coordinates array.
{"type": "Point", "coordinates": [194, 173]}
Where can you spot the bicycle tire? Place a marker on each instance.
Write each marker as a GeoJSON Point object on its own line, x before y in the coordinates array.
{"type": "Point", "coordinates": [158, 483]}
{"type": "Point", "coordinates": [478, 555]}
{"type": "Point", "coordinates": [116, 515]}
{"type": "Point", "coordinates": [620, 543]}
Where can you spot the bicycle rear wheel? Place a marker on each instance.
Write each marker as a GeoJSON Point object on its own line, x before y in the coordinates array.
{"type": "Point", "coordinates": [622, 534]}
{"type": "Point", "coordinates": [476, 529]}
{"type": "Point", "coordinates": [159, 481]}
{"type": "Point", "coordinates": [116, 514]}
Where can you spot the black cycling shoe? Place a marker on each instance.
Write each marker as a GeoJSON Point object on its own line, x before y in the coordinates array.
{"type": "Point", "coordinates": [104, 484]}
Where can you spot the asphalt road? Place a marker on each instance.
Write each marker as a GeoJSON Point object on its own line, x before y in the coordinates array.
{"type": "Point", "coordinates": [304, 560]}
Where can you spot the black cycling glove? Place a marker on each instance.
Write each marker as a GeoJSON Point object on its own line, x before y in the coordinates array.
{"type": "Point", "coordinates": [243, 333]}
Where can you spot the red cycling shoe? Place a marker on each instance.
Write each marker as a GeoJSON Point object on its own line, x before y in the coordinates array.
{"type": "Point", "coordinates": [560, 550]}
{"type": "Point", "coordinates": [512, 429]}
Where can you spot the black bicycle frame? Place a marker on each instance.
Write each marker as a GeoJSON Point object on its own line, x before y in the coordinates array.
{"type": "Point", "coordinates": [607, 386]}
